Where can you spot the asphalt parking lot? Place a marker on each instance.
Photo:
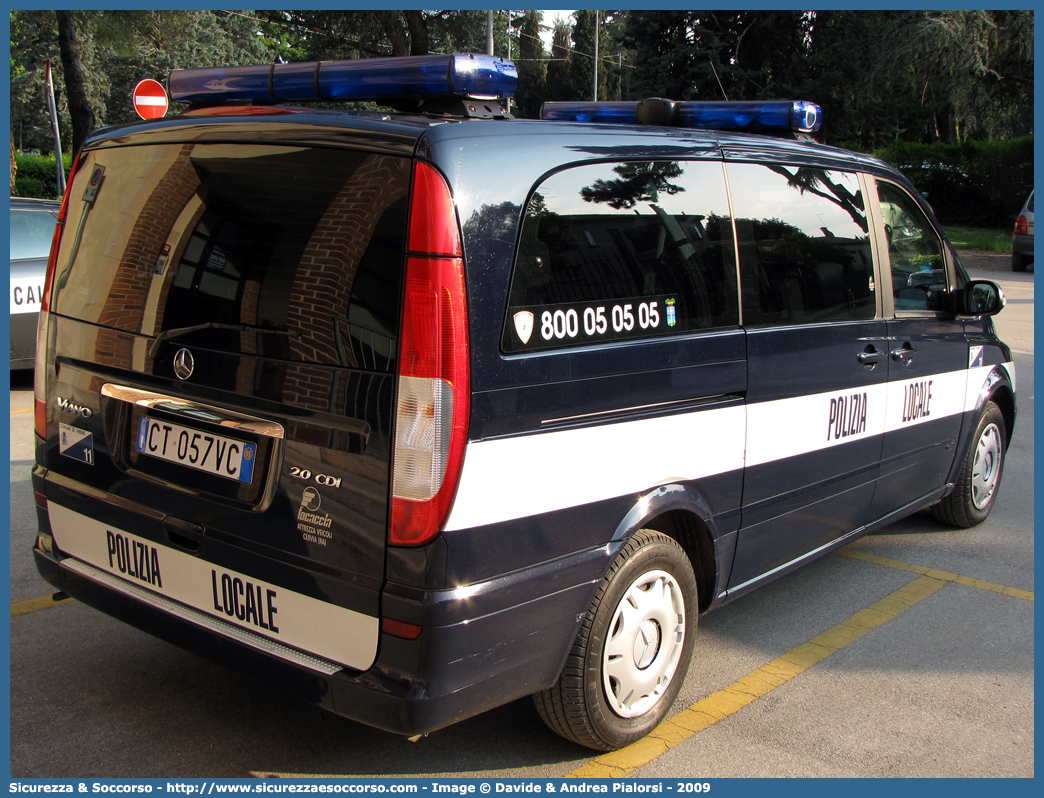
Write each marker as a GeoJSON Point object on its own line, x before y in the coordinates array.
{"type": "Point", "coordinates": [907, 654]}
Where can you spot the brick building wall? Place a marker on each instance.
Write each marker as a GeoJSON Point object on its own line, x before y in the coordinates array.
{"type": "Point", "coordinates": [126, 301]}
{"type": "Point", "coordinates": [323, 284]}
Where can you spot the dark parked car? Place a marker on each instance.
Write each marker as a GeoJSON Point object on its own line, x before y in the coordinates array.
{"type": "Point", "coordinates": [1022, 238]}
{"type": "Point", "coordinates": [32, 227]}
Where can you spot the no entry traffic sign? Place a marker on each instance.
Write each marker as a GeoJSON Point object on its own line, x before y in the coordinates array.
{"type": "Point", "coordinates": [150, 99]}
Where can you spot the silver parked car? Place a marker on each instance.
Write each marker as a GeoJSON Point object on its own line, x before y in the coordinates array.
{"type": "Point", "coordinates": [1022, 238]}
{"type": "Point", "coordinates": [32, 228]}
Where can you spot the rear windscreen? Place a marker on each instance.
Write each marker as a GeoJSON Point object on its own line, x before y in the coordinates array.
{"type": "Point", "coordinates": [290, 253]}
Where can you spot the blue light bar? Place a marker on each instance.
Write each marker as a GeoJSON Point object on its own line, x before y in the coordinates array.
{"type": "Point", "coordinates": [622, 113]}
{"type": "Point", "coordinates": [471, 76]}
{"type": "Point", "coordinates": [797, 116]}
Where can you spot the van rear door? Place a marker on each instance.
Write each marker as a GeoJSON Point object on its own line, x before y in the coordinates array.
{"type": "Point", "coordinates": [221, 359]}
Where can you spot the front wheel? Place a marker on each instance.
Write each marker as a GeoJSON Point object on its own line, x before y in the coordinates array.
{"type": "Point", "coordinates": [976, 489]}
{"type": "Point", "coordinates": [633, 650]}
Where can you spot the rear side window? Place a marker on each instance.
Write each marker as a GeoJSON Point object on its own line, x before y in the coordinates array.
{"type": "Point", "coordinates": [622, 250]}
{"type": "Point", "coordinates": [804, 245]}
{"type": "Point", "coordinates": [290, 253]}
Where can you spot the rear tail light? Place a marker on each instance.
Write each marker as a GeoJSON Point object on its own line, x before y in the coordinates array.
{"type": "Point", "coordinates": [44, 323]}
{"type": "Point", "coordinates": [431, 422]}
{"type": "Point", "coordinates": [40, 374]}
{"type": "Point", "coordinates": [1021, 226]}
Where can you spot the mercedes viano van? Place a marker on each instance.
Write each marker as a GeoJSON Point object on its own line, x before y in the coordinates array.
{"type": "Point", "coordinates": [420, 412]}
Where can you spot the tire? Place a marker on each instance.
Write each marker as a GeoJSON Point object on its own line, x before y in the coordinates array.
{"type": "Point", "coordinates": [976, 489]}
{"type": "Point", "coordinates": [1018, 262]}
{"type": "Point", "coordinates": [624, 671]}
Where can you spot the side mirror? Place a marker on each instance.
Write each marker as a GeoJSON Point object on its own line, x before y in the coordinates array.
{"type": "Point", "coordinates": [980, 298]}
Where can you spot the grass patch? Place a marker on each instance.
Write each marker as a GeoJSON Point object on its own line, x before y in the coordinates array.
{"type": "Point", "coordinates": [980, 238]}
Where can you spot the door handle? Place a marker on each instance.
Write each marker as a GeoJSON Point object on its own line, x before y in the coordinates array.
{"type": "Point", "coordinates": [870, 358]}
{"type": "Point", "coordinates": [903, 354]}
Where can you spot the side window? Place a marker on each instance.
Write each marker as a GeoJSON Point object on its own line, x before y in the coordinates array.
{"type": "Point", "coordinates": [31, 233]}
{"type": "Point", "coordinates": [914, 251]}
{"type": "Point", "coordinates": [625, 250]}
{"type": "Point", "coordinates": [804, 245]}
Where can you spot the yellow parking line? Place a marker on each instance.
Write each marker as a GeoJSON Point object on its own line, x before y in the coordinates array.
{"type": "Point", "coordinates": [41, 603]}
{"type": "Point", "coordinates": [21, 410]}
{"type": "Point", "coordinates": [945, 576]}
{"type": "Point", "coordinates": [737, 695]}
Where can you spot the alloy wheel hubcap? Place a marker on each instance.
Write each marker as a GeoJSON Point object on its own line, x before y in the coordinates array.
{"type": "Point", "coordinates": [986, 467]}
{"type": "Point", "coordinates": [644, 644]}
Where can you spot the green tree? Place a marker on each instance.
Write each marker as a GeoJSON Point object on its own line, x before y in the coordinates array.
{"type": "Point", "coordinates": [879, 75]}
{"type": "Point", "coordinates": [115, 50]}
{"type": "Point", "coordinates": [34, 38]}
{"type": "Point", "coordinates": [973, 70]}
{"type": "Point", "coordinates": [616, 59]}
{"type": "Point", "coordinates": [83, 119]}
{"type": "Point", "coordinates": [558, 68]}
{"type": "Point", "coordinates": [532, 65]}
{"type": "Point", "coordinates": [861, 103]}
{"type": "Point", "coordinates": [672, 54]}
{"type": "Point", "coordinates": [304, 35]}
{"type": "Point", "coordinates": [582, 64]}
{"type": "Point", "coordinates": [707, 55]}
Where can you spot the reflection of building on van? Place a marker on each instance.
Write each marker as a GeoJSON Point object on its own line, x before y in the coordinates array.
{"type": "Point", "coordinates": [317, 396]}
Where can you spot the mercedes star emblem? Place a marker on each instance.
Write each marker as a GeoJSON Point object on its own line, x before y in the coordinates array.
{"type": "Point", "coordinates": [184, 364]}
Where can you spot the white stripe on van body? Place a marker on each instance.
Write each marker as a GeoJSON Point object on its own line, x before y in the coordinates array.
{"type": "Point", "coordinates": [977, 380]}
{"type": "Point", "coordinates": [799, 425]}
{"type": "Point", "coordinates": [509, 478]}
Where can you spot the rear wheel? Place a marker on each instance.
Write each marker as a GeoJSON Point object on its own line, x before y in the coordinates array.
{"type": "Point", "coordinates": [1018, 262]}
{"type": "Point", "coordinates": [976, 490]}
{"type": "Point", "coordinates": [631, 655]}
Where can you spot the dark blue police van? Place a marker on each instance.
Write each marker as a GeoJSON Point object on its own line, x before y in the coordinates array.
{"type": "Point", "coordinates": [418, 413]}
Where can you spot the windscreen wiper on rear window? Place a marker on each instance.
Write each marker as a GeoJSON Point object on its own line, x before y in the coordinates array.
{"type": "Point", "coordinates": [168, 335]}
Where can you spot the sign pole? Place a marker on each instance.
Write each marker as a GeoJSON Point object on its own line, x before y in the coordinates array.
{"type": "Point", "coordinates": [59, 166]}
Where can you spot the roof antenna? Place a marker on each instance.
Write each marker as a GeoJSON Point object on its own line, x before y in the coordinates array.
{"type": "Point", "coordinates": [715, 71]}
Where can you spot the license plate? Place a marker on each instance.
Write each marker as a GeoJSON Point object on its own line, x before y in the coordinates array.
{"type": "Point", "coordinates": [202, 451]}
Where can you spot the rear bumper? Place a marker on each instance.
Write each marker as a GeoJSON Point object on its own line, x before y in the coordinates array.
{"type": "Point", "coordinates": [485, 646]}
{"type": "Point", "coordinates": [1022, 245]}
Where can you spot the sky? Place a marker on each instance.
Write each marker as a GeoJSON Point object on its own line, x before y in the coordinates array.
{"type": "Point", "coordinates": [549, 20]}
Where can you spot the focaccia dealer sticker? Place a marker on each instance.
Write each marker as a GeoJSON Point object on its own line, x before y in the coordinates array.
{"type": "Point", "coordinates": [312, 522]}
